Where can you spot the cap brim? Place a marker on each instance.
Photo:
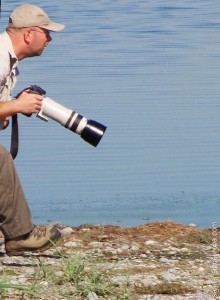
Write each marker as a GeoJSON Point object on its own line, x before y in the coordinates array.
{"type": "Point", "coordinates": [53, 26]}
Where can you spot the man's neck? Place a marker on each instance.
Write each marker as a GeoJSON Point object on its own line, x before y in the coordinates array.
{"type": "Point", "coordinates": [15, 36]}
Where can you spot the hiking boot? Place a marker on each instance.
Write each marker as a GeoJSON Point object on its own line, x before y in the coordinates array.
{"type": "Point", "coordinates": [39, 239]}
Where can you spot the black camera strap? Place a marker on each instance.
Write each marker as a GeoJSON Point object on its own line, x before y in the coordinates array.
{"type": "Point", "coordinates": [14, 136]}
{"type": "Point", "coordinates": [35, 89]}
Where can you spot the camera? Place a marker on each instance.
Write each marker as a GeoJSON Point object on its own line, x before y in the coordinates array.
{"type": "Point", "coordinates": [90, 131]}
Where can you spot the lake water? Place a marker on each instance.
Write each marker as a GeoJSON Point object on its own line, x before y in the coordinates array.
{"type": "Point", "coordinates": [149, 71]}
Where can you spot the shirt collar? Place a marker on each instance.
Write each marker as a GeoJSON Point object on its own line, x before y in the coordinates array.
{"type": "Point", "coordinates": [8, 43]}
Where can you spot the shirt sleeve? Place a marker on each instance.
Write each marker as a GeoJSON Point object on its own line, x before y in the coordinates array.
{"type": "Point", "coordinates": [4, 69]}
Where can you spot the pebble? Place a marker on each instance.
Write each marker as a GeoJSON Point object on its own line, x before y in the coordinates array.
{"type": "Point", "coordinates": [135, 247]}
{"type": "Point", "coordinates": [92, 296]}
{"type": "Point", "coordinates": [164, 260]}
{"type": "Point", "coordinates": [168, 276]}
{"type": "Point", "coordinates": [192, 225]}
{"type": "Point", "coordinates": [125, 247]}
{"type": "Point", "coordinates": [151, 243]}
{"type": "Point", "coordinates": [96, 244]}
{"type": "Point", "coordinates": [184, 250]}
{"type": "Point", "coordinates": [73, 244]}
{"type": "Point", "coordinates": [66, 231]}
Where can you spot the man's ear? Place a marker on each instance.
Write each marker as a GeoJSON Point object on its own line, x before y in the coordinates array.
{"type": "Point", "coordinates": [27, 36]}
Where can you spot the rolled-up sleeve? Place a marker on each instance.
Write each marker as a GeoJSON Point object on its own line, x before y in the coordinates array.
{"type": "Point", "coordinates": [8, 67]}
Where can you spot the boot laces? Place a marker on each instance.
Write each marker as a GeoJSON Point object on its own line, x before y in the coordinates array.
{"type": "Point", "coordinates": [38, 232]}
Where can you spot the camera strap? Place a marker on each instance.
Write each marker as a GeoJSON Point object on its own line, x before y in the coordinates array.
{"type": "Point", "coordinates": [14, 136]}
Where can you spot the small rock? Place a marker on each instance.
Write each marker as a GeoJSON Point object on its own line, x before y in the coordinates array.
{"type": "Point", "coordinates": [71, 244]}
{"type": "Point", "coordinates": [201, 270]}
{"type": "Point", "coordinates": [151, 243]}
{"type": "Point", "coordinates": [152, 267]}
{"type": "Point", "coordinates": [59, 273]}
{"type": "Point", "coordinates": [119, 250]}
{"type": "Point", "coordinates": [66, 231]}
{"type": "Point", "coordinates": [168, 276]}
{"type": "Point", "coordinates": [26, 297]}
{"type": "Point", "coordinates": [125, 247]}
{"type": "Point", "coordinates": [92, 296]}
{"type": "Point", "coordinates": [50, 251]}
{"type": "Point", "coordinates": [135, 247]}
{"type": "Point", "coordinates": [164, 260]}
{"type": "Point", "coordinates": [29, 271]}
{"type": "Point", "coordinates": [184, 250]}
{"type": "Point", "coordinates": [86, 229]}
{"type": "Point", "coordinates": [45, 283]}
{"type": "Point", "coordinates": [149, 280]}
{"type": "Point", "coordinates": [96, 245]}
{"type": "Point", "coordinates": [173, 250]}
{"type": "Point", "coordinates": [192, 225]}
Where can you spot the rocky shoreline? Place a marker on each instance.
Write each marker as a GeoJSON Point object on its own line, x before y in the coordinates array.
{"type": "Point", "coordinates": [164, 261]}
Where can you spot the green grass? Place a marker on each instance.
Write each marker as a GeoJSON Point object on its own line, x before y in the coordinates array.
{"type": "Point", "coordinates": [5, 285]}
{"type": "Point", "coordinates": [80, 277]}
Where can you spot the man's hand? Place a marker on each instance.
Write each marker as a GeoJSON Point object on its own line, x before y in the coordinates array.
{"type": "Point", "coordinates": [28, 103]}
{"type": "Point", "coordinates": [6, 123]}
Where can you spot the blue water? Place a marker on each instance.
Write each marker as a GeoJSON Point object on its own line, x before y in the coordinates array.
{"type": "Point", "coordinates": [149, 71]}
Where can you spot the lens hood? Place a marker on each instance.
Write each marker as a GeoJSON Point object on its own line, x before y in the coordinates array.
{"type": "Point", "coordinates": [93, 132]}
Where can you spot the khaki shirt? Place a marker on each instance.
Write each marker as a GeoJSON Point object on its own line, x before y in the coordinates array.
{"type": "Point", "coordinates": [8, 69]}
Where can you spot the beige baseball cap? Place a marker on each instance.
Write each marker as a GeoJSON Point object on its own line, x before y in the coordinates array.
{"type": "Point", "coordinates": [29, 15]}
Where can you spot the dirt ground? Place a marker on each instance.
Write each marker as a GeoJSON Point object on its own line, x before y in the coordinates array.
{"type": "Point", "coordinates": [160, 232]}
{"type": "Point", "coordinates": [154, 260]}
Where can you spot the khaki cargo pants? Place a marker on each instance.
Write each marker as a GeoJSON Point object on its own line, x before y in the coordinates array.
{"type": "Point", "coordinates": [15, 217]}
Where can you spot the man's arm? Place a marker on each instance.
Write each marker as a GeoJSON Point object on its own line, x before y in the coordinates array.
{"type": "Point", "coordinates": [26, 103]}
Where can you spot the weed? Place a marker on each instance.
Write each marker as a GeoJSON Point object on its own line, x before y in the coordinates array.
{"type": "Point", "coordinates": [5, 284]}
{"type": "Point", "coordinates": [84, 279]}
{"type": "Point", "coordinates": [204, 239]}
{"type": "Point", "coordinates": [166, 288]}
{"type": "Point", "coordinates": [80, 278]}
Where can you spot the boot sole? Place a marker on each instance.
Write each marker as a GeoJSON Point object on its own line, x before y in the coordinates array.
{"type": "Point", "coordinates": [49, 244]}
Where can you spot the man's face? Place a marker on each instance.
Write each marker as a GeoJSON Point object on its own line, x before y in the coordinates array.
{"type": "Point", "coordinates": [40, 38]}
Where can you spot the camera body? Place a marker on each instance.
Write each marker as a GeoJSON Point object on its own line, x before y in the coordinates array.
{"type": "Point", "coordinates": [89, 130]}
